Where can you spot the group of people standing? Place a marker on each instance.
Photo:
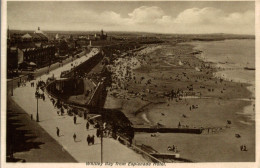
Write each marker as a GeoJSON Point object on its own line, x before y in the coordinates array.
{"type": "Point", "coordinates": [91, 139]}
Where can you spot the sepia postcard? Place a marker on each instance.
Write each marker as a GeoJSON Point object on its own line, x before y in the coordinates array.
{"type": "Point", "coordinates": [130, 84]}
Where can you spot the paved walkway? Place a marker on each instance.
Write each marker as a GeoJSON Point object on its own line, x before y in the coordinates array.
{"type": "Point", "coordinates": [31, 142]}
{"type": "Point", "coordinates": [49, 120]}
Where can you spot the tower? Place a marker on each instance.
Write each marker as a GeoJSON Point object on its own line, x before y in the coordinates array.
{"type": "Point", "coordinates": [57, 36]}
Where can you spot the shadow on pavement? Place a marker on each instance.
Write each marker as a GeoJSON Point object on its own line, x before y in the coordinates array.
{"type": "Point", "coordinates": [18, 138]}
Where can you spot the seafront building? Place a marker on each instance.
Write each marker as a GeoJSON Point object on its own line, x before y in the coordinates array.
{"type": "Point", "coordinates": [30, 49]}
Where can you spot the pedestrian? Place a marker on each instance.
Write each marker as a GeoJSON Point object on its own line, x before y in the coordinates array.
{"type": "Point", "coordinates": [31, 117]}
{"type": "Point", "coordinates": [93, 139]}
{"type": "Point", "coordinates": [43, 97]}
{"type": "Point", "coordinates": [87, 125]}
{"type": "Point", "coordinates": [58, 131]}
{"type": "Point", "coordinates": [75, 119]}
{"type": "Point", "coordinates": [62, 111]}
{"type": "Point", "coordinates": [85, 115]}
{"type": "Point", "coordinates": [74, 137]}
{"type": "Point", "coordinates": [98, 132]}
{"type": "Point", "coordinates": [88, 139]}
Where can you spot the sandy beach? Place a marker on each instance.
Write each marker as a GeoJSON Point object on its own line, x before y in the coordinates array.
{"type": "Point", "coordinates": [171, 86]}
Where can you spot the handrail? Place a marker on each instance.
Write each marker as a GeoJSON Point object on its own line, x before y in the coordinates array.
{"type": "Point", "coordinates": [56, 97]}
{"type": "Point", "coordinates": [97, 87]}
{"type": "Point", "coordinates": [142, 151]}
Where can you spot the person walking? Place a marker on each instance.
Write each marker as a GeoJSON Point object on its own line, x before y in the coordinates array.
{"type": "Point", "coordinates": [74, 137]}
{"type": "Point", "coordinates": [93, 139]}
{"type": "Point", "coordinates": [98, 132]}
{"type": "Point", "coordinates": [75, 119]}
{"type": "Point", "coordinates": [88, 139]}
{"type": "Point", "coordinates": [58, 131]}
{"type": "Point", "coordinates": [87, 125]}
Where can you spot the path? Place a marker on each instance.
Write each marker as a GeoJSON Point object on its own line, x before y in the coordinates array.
{"type": "Point", "coordinates": [49, 120]}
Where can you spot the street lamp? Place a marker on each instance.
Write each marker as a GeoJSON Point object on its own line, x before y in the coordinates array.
{"type": "Point", "coordinates": [37, 114]}
{"type": "Point", "coordinates": [101, 134]}
{"type": "Point", "coordinates": [12, 91]}
{"type": "Point", "coordinates": [101, 129]}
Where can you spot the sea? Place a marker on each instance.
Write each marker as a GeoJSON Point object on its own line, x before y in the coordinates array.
{"type": "Point", "coordinates": [235, 61]}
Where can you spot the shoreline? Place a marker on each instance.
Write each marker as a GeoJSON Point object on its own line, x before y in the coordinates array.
{"type": "Point", "coordinates": [172, 67]}
{"type": "Point", "coordinates": [226, 74]}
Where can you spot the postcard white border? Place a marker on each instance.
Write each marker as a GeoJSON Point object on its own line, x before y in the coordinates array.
{"type": "Point", "coordinates": [255, 164]}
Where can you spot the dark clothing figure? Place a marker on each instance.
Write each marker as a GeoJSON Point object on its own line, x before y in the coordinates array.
{"type": "Point", "coordinates": [179, 125]}
{"type": "Point", "coordinates": [88, 139]}
{"type": "Point", "coordinates": [74, 137]}
{"type": "Point", "coordinates": [87, 125]}
{"type": "Point", "coordinates": [93, 139]}
{"type": "Point", "coordinates": [75, 119]}
{"type": "Point", "coordinates": [58, 131]}
{"type": "Point", "coordinates": [98, 132]}
{"type": "Point", "coordinates": [173, 148]}
{"type": "Point", "coordinates": [97, 125]}
{"type": "Point", "coordinates": [243, 148]}
{"type": "Point", "coordinates": [130, 141]}
{"type": "Point", "coordinates": [31, 117]}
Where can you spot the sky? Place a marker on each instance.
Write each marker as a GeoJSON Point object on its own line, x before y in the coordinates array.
{"type": "Point", "coordinates": [161, 17]}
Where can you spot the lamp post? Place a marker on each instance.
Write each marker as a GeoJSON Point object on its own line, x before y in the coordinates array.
{"type": "Point", "coordinates": [101, 136]}
{"type": "Point", "coordinates": [37, 114]}
{"type": "Point", "coordinates": [101, 129]}
{"type": "Point", "coordinates": [12, 92]}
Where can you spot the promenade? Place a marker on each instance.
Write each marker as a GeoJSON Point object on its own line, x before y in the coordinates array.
{"type": "Point", "coordinates": [113, 151]}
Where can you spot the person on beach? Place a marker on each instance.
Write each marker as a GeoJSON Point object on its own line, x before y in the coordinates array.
{"type": "Point", "coordinates": [74, 137]}
{"type": "Point", "coordinates": [243, 148]}
{"type": "Point", "coordinates": [173, 148]}
{"type": "Point", "coordinates": [179, 125]}
{"type": "Point", "coordinates": [58, 131]}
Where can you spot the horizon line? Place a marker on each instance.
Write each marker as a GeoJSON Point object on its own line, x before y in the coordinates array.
{"type": "Point", "coordinates": [134, 32]}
